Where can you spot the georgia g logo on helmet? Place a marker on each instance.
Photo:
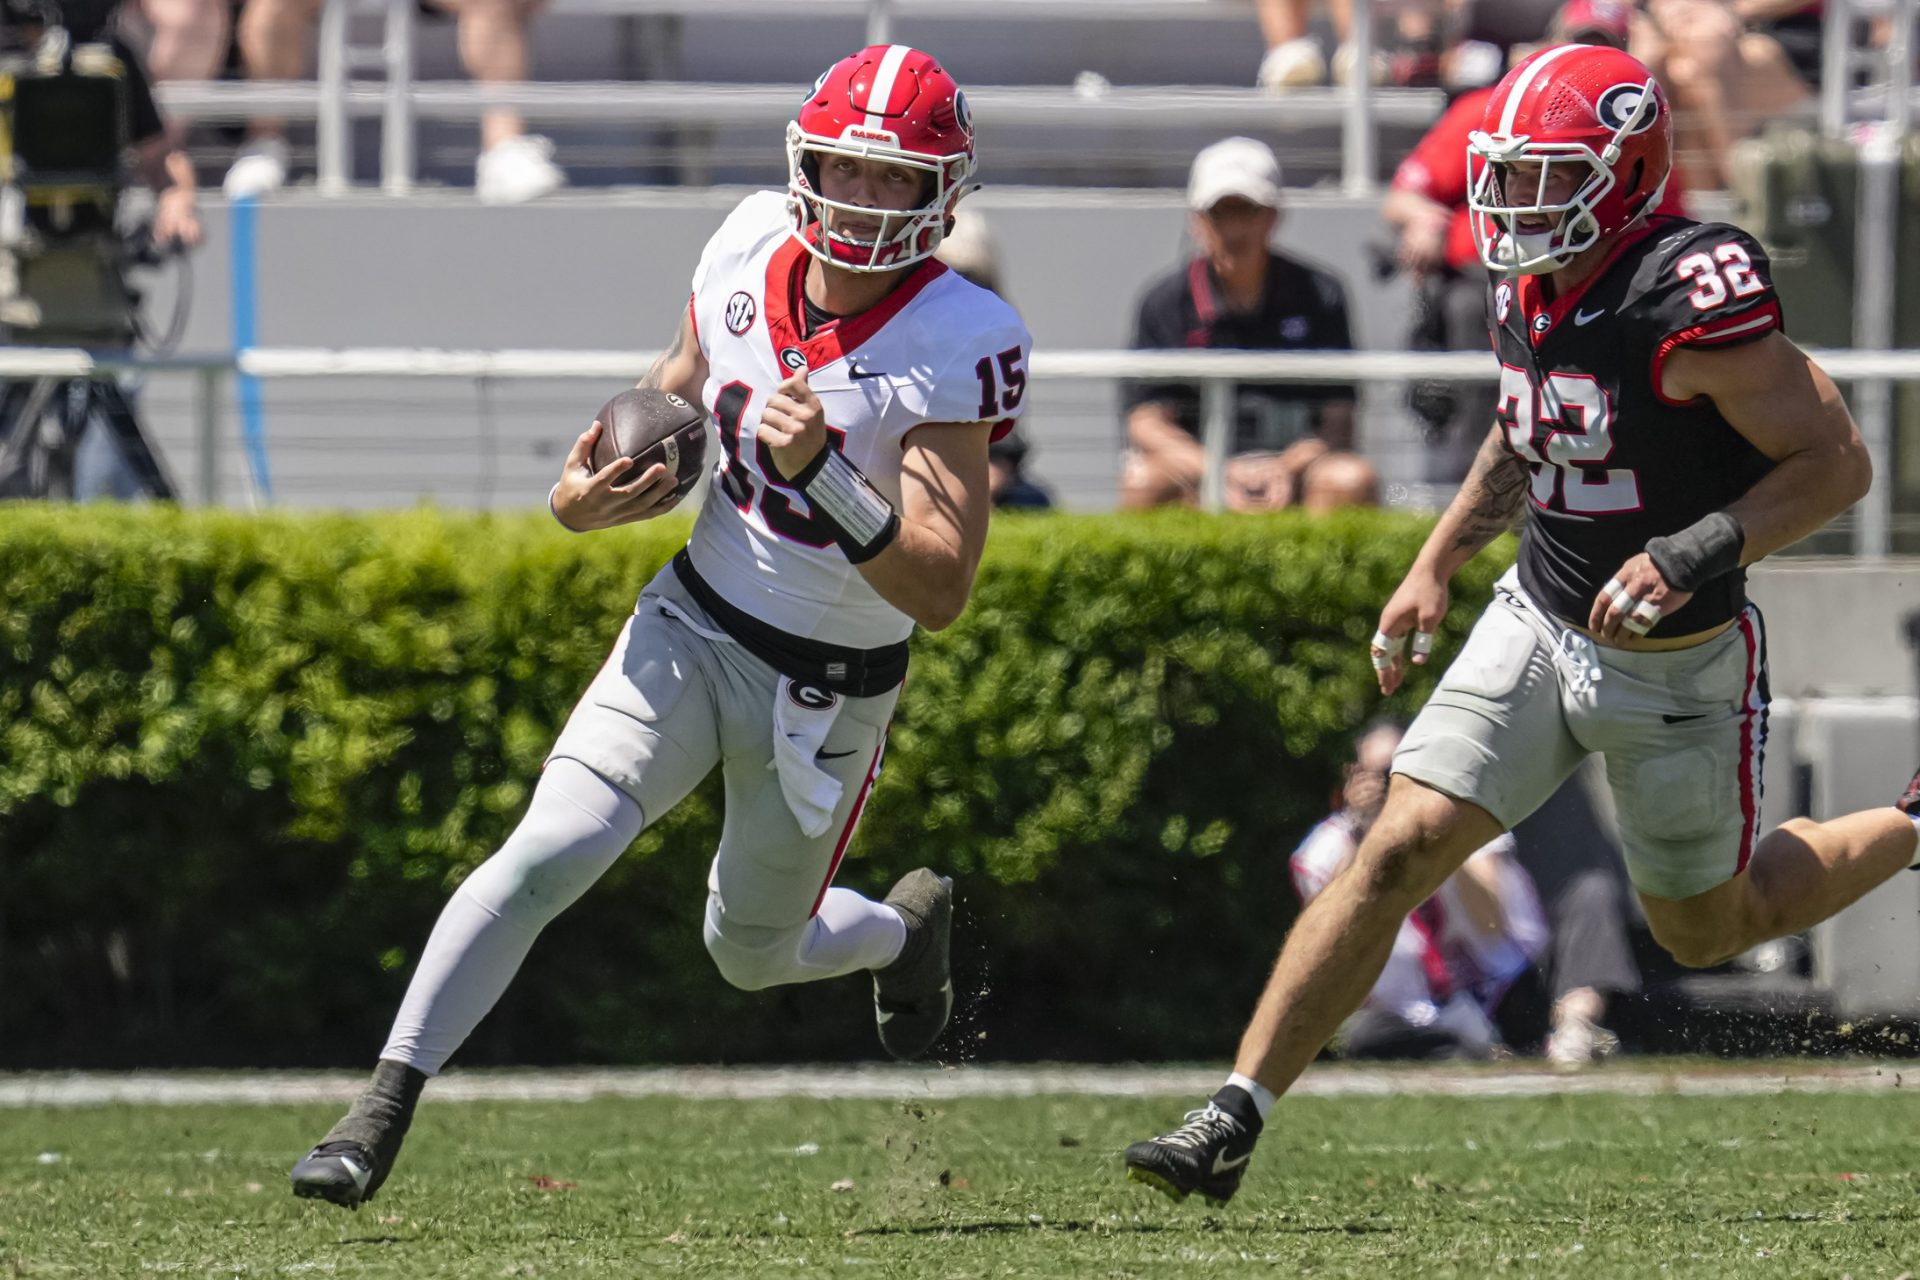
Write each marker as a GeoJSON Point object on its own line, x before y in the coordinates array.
{"type": "Point", "coordinates": [1586, 131]}
{"type": "Point", "coordinates": [1621, 106]}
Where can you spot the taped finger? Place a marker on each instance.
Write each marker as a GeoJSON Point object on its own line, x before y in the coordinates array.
{"type": "Point", "coordinates": [1384, 649]}
{"type": "Point", "coordinates": [1422, 643]}
{"type": "Point", "coordinates": [1644, 618]}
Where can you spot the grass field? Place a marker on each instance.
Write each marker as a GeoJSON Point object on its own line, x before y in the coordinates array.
{"type": "Point", "coordinates": [1783, 1185]}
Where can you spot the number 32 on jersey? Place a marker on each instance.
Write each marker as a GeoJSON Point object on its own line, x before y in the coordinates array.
{"type": "Point", "coordinates": [1566, 462]}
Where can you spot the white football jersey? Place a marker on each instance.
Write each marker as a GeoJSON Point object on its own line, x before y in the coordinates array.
{"type": "Point", "coordinates": [936, 349]}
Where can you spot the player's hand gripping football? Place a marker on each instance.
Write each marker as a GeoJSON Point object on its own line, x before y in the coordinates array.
{"type": "Point", "coordinates": [793, 425]}
{"type": "Point", "coordinates": [1633, 602]}
{"type": "Point", "coordinates": [588, 499]}
{"type": "Point", "coordinates": [1417, 607]}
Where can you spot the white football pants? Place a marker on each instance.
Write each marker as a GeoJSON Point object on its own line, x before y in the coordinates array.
{"type": "Point", "coordinates": [770, 916]}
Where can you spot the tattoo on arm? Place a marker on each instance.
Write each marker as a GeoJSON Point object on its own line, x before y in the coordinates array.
{"type": "Point", "coordinates": [656, 375]}
{"type": "Point", "coordinates": [1492, 496]}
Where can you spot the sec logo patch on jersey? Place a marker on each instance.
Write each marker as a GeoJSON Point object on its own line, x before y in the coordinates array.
{"type": "Point", "coordinates": [740, 313]}
{"type": "Point", "coordinates": [1502, 302]}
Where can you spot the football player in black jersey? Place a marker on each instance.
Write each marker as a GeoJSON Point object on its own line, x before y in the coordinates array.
{"type": "Point", "coordinates": [1660, 432]}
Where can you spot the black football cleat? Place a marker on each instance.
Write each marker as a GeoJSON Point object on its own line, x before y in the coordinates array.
{"type": "Point", "coordinates": [357, 1154]}
{"type": "Point", "coordinates": [913, 996]}
{"type": "Point", "coordinates": [1207, 1154]}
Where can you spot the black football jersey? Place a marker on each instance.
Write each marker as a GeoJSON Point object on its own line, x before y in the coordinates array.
{"type": "Point", "coordinates": [1615, 463]}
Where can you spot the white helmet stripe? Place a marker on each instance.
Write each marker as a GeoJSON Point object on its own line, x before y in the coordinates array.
{"type": "Point", "coordinates": [1525, 81]}
{"type": "Point", "coordinates": [882, 92]}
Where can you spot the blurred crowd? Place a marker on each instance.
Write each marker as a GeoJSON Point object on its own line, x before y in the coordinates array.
{"type": "Point", "coordinates": [1728, 64]}
{"type": "Point", "coordinates": [272, 40]}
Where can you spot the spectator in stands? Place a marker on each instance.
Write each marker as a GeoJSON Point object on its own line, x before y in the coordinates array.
{"type": "Point", "coordinates": [1724, 65]}
{"type": "Point", "coordinates": [513, 165]}
{"type": "Point", "coordinates": [1482, 964]}
{"type": "Point", "coordinates": [1294, 59]}
{"type": "Point", "coordinates": [1456, 956]}
{"type": "Point", "coordinates": [1337, 479]}
{"type": "Point", "coordinates": [1428, 206]}
{"type": "Point", "coordinates": [970, 250]}
{"type": "Point", "coordinates": [1007, 484]}
{"type": "Point", "coordinates": [1237, 293]}
{"type": "Point", "coordinates": [1413, 40]}
{"type": "Point", "coordinates": [186, 40]}
{"type": "Point", "coordinates": [1570, 848]}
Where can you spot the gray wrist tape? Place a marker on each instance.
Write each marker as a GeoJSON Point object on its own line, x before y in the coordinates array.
{"type": "Point", "coordinates": [863, 521]}
{"type": "Point", "coordinates": [1699, 553]}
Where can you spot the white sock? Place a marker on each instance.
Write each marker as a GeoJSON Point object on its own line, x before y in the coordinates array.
{"type": "Point", "coordinates": [850, 933]}
{"type": "Point", "coordinates": [1263, 1097]}
{"type": "Point", "coordinates": [1915, 819]}
{"type": "Point", "coordinates": [576, 826]}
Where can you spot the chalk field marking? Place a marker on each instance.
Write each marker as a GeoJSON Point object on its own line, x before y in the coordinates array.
{"type": "Point", "coordinates": [280, 1088]}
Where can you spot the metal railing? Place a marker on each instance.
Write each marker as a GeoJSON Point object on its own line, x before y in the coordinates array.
{"type": "Point", "coordinates": [338, 96]}
{"type": "Point", "coordinates": [1218, 373]}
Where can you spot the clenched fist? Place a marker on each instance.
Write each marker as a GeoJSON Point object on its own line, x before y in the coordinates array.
{"type": "Point", "coordinates": [793, 426]}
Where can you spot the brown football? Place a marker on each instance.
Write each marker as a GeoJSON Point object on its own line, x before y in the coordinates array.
{"type": "Point", "coordinates": [652, 426]}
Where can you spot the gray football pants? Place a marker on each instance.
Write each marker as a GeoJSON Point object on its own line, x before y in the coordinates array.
{"type": "Point", "coordinates": [1683, 733]}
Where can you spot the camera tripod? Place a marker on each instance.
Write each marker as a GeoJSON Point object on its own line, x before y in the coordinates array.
{"type": "Point", "coordinates": [42, 421]}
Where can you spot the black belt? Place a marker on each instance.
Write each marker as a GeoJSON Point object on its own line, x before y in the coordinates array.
{"type": "Point", "coordinates": [858, 673]}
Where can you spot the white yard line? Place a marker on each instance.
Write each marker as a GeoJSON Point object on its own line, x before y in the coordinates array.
{"type": "Point", "coordinates": [51, 1089]}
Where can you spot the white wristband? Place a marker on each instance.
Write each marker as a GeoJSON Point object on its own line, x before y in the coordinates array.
{"type": "Point", "coordinates": [842, 492]}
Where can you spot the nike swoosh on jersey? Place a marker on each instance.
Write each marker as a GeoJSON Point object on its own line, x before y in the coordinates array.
{"type": "Point", "coordinates": [858, 374]}
{"type": "Point", "coordinates": [1222, 1165]}
{"type": "Point", "coordinates": [831, 755]}
{"type": "Point", "coordinates": [1680, 719]}
{"type": "Point", "coordinates": [1588, 317]}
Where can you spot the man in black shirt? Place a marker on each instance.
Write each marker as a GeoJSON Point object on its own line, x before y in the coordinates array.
{"type": "Point", "coordinates": [1237, 294]}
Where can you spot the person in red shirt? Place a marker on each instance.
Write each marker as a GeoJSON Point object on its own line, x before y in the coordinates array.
{"type": "Point", "coordinates": [1427, 205]}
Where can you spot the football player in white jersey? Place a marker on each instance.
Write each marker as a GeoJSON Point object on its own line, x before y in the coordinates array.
{"type": "Point", "coordinates": [855, 383]}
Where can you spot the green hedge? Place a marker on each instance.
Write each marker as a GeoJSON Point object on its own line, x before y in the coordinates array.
{"type": "Point", "coordinates": [244, 759]}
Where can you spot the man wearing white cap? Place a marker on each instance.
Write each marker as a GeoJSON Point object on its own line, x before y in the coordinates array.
{"type": "Point", "coordinates": [1236, 293]}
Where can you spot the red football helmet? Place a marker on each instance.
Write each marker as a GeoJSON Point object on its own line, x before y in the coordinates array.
{"type": "Point", "coordinates": [1588, 106]}
{"type": "Point", "coordinates": [887, 102]}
